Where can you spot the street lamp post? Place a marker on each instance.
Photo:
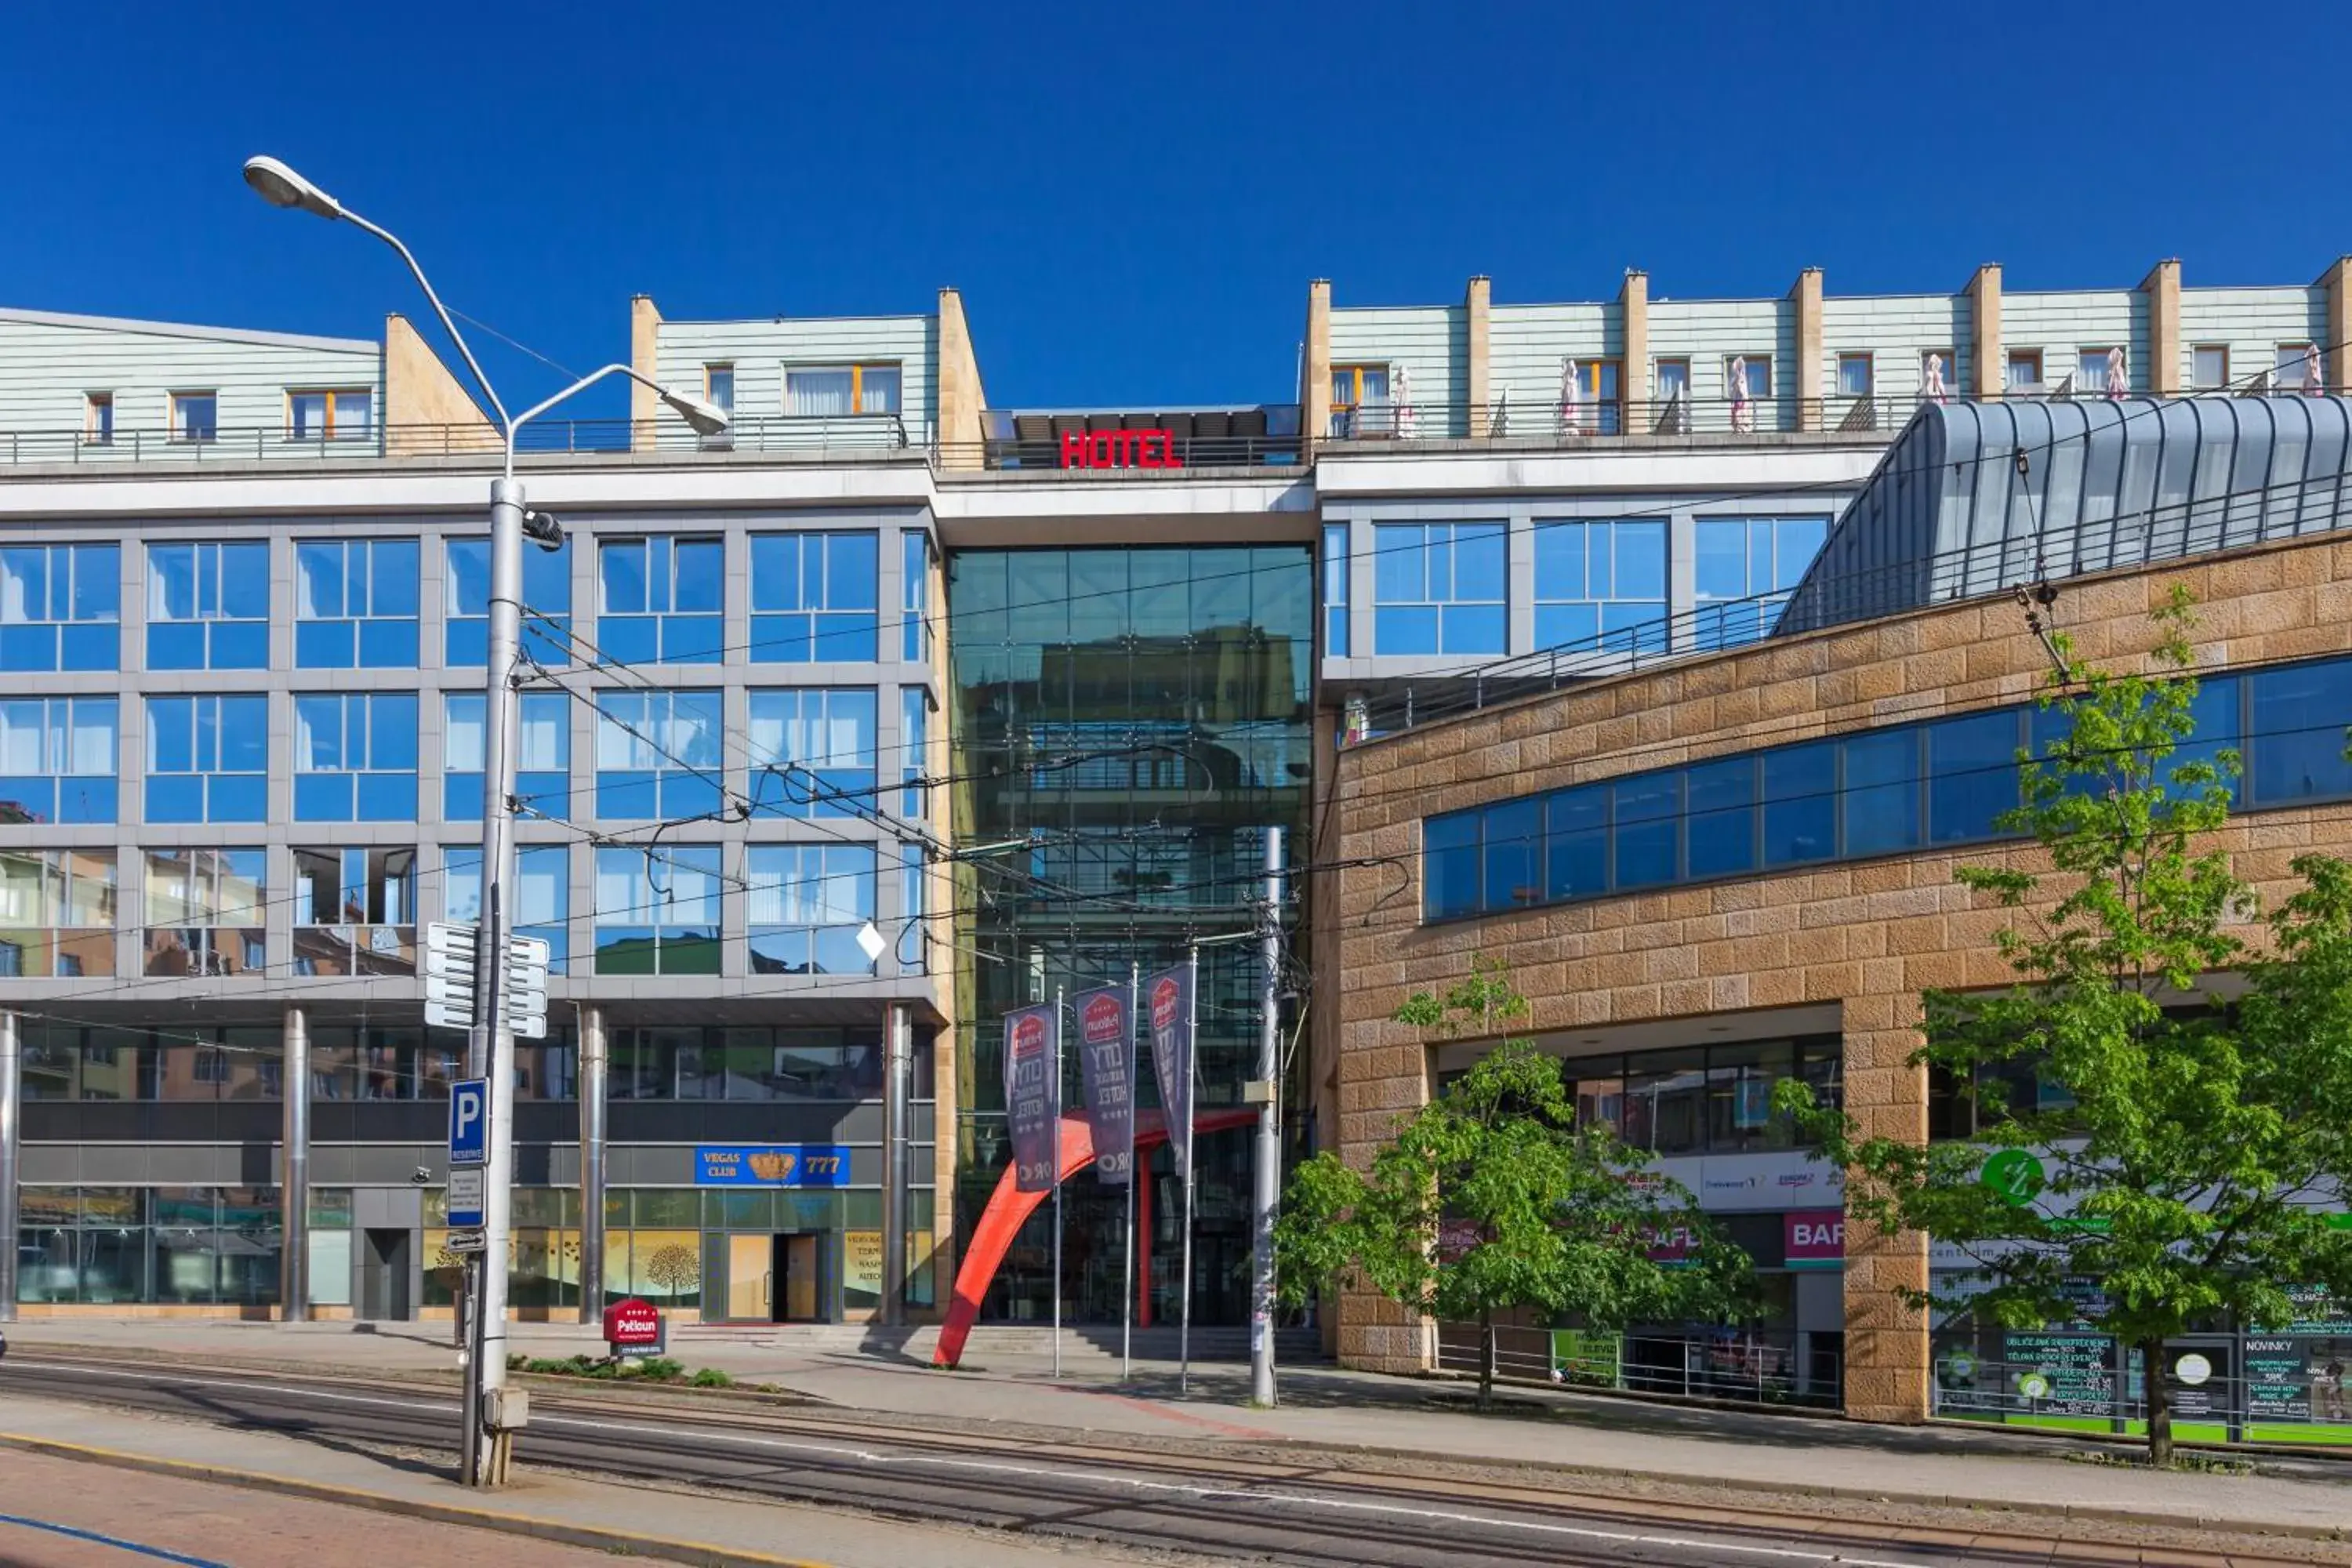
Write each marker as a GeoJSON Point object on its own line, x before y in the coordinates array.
{"type": "Point", "coordinates": [489, 1417]}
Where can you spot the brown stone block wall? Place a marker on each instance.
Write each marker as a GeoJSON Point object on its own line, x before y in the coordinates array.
{"type": "Point", "coordinates": [1867, 936]}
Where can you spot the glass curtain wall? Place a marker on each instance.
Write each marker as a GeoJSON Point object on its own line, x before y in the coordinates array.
{"type": "Point", "coordinates": [1132, 721]}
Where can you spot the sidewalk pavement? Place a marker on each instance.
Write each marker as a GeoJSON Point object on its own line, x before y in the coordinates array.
{"type": "Point", "coordinates": [603, 1518]}
{"type": "Point", "coordinates": [1383, 1419]}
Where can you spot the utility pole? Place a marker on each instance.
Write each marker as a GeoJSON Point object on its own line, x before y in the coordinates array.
{"type": "Point", "coordinates": [1267, 1090]}
{"type": "Point", "coordinates": [11, 1131]}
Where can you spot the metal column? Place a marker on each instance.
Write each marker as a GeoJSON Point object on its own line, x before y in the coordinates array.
{"type": "Point", "coordinates": [294, 1177]}
{"type": "Point", "coordinates": [593, 1057]}
{"type": "Point", "coordinates": [12, 1103]}
{"type": "Point", "coordinates": [1268, 1187]}
{"type": "Point", "coordinates": [898, 1040]}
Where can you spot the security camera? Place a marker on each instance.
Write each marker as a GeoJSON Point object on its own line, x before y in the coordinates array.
{"type": "Point", "coordinates": [422, 1174]}
{"type": "Point", "coordinates": [542, 529]}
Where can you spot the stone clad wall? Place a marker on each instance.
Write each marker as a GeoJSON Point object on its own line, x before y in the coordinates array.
{"type": "Point", "coordinates": [1864, 935]}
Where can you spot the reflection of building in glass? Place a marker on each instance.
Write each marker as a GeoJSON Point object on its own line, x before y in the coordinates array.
{"type": "Point", "coordinates": [1137, 718]}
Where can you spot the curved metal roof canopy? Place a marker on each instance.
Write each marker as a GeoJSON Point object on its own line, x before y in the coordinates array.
{"type": "Point", "coordinates": [1974, 498]}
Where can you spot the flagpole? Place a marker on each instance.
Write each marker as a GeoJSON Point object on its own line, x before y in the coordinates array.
{"type": "Point", "coordinates": [1192, 1086]}
{"type": "Point", "coordinates": [1127, 1271]}
{"type": "Point", "coordinates": [1057, 1182]}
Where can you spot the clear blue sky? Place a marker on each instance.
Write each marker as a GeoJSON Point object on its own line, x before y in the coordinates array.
{"type": "Point", "coordinates": [1133, 199]}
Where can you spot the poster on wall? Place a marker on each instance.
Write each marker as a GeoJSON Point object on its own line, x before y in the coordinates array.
{"type": "Point", "coordinates": [1168, 1001]}
{"type": "Point", "coordinates": [1033, 1093]}
{"type": "Point", "coordinates": [2062, 1375]}
{"type": "Point", "coordinates": [1106, 1066]}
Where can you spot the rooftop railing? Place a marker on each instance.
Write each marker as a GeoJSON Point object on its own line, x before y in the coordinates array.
{"type": "Point", "coordinates": [787, 435]}
{"type": "Point", "coordinates": [1555, 422]}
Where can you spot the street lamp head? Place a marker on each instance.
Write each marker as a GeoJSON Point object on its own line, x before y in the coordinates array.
{"type": "Point", "coordinates": [706, 419]}
{"type": "Point", "coordinates": [282, 187]}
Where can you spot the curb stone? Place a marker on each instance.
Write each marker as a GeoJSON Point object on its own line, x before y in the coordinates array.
{"type": "Point", "coordinates": [590, 1537]}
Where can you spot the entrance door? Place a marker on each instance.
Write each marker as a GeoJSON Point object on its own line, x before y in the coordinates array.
{"type": "Point", "coordinates": [797, 1261]}
{"type": "Point", "coordinates": [383, 1275]}
{"type": "Point", "coordinates": [750, 1280]}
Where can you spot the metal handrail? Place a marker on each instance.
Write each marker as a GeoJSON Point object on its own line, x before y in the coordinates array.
{"type": "Point", "coordinates": [1991, 567]}
{"type": "Point", "coordinates": [780, 435]}
{"type": "Point", "coordinates": [1546, 419]}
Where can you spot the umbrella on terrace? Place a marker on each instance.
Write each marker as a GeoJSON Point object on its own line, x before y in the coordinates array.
{"type": "Point", "coordinates": [2315, 375]}
{"type": "Point", "coordinates": [1571, 399]}
{"type": "Point", "coordinates": [1935, 390]}
{"type": "Point", "coordinates": [1401, 403]}
{"type": "Point", "coordinates": [1743, 411]}
{"type": "Point", "coordinates": [2119, 383]}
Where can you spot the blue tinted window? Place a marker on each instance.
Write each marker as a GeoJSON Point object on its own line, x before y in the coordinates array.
{"type": "Point", "coordinates": [815, 597]}
{"type": "Point", "coordinates": [59, 607]}
{"type": "Point", "coordinates": [1799, 787]}
{"type": "Point", "coordinates": [1971, 775]}
{"type": "Point", "coordinates": [1334, 590]}
{"type": "Point", "coordinates": [1881, 796]}
{"type": "Point", "coordinates": [1450, 865]}
{"type": "Point", "coordinates": [1722, 803]}
{"type": "Point", "coordinates": [1646, 807]}
{"type": "Point", "coordinates": [1874, 793]}
{"type": "Point", "coordinates": [1601, 584]}
{"type": "Point", "coordinates": [355, 604]}
{"type": "Point", "coordinates": [207, 759]}
{"type": "Point", "coordinates": [355, 757]}
{"type": "Point", "coordinates": [659, 753]}
{"type": "Point", "coordinates": [1439, 588]}
{"type": "Point", "coordinates": [546, 603]}
{"type": "Point", "coordinates": [2297, 739]}
{"type": "Point", "coordinates": [208, 606]}
{"type": "Point", "coordinates": [1576, 849]}
{"type": "Point", "coordinates": [1514, 855]}
{"type": "Point", "coordinates": [915, 596]}
{"type": "Point", "coordinates": [57, 759]}
{"type": "Point", "coordinates": [1745, 567]}
{"type": "Point", "coordinates": [662, 600]}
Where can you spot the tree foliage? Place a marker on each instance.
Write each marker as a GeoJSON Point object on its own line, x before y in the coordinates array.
{"type": "Point", "coordinates": [1492, 1198]}
{"type": "Point", "coordinates": [2152, 1154]}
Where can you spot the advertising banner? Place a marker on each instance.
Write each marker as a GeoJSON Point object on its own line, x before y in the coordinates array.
{"type": "Point", "coordinates": [771, 1166]}
{"type": "Point", "coordinates": [1106, 1064]}
{"type": "Point", "coordinates": [1815, 1239]}
{"type": "Point", "coordinates": [1168, 1000]}
{"type": "Point", "coordinates": [1033, 1094]}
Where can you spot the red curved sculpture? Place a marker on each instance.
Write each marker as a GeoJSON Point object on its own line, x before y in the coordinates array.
{"type": "Point", "coordinates": [1008, 1209]}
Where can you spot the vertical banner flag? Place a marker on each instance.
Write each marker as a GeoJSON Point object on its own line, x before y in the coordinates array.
{"type": "Point", "coordinates": [1168, 996]}
{"type": "Point", "coordinates": [1106, 1057]}
{"type": "Point", "coordinates": [1033, 1096]}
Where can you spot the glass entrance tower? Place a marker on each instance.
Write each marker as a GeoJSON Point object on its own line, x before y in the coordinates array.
{"type": "Point", "coordinates": [1131, 721]}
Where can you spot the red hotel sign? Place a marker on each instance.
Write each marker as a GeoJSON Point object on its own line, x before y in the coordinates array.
{"type": "Point", "coordinates": [632, 1324]}
{"type": "Point", "coordinates": [1119, 449]}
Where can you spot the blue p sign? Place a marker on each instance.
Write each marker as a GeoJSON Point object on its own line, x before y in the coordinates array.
{"type": "Point", "coordinates": [469, 1121]}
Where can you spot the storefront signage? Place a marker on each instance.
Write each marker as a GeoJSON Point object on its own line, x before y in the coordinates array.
{"type": "Point", "coordinates": [2062, 1374]}
{"type": "Point", "coordinates": [771, 1166]}
{"type": "Point", "coordinates": [633, 1325]}
{"type": "Point", "coordinates": [1815, 1239]}
{"type": "Point", "coordinates": [1119, 449]}
{"type": "Point", "coordinates": [861, 1261]}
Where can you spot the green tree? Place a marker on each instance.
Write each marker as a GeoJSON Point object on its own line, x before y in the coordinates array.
{"type": "Point", "coordinates": [1492, 1198]}
{"type": "Point", "coordinates": [2168, 1161]}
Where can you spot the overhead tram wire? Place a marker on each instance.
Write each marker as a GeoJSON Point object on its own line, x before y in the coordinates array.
{"type": "Point", "coordinates": [310, 986]}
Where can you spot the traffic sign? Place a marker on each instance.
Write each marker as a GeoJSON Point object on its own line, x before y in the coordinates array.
{"type": "Point", "coordinates": [466, 1197]}
{"type": "Point", "coordinates": [448, 937]}
{"type": "Point", "coordinates": [466, 1241]}
{"type": "Point", "coordinates": [469, 1121]}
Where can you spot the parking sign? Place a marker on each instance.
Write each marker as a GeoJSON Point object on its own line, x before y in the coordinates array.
{"type": "Point", "coordinates": [469, 1121]}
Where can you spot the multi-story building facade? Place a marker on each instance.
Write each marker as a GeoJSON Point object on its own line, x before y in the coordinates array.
{"type": "Point", "coordinates": [1018, 689]}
